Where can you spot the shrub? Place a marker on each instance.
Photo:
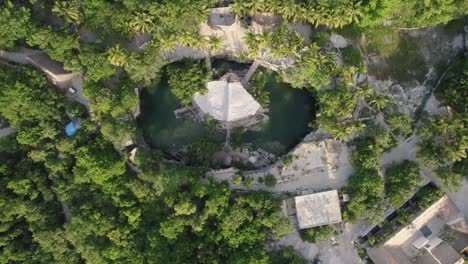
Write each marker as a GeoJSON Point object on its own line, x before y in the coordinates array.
{"type": "Point", "coordinates": [427, 196]}
{"type": "Point", "coordinates": [400, 123]}
{"type": "Point", "coordinates": [405, 217]}
{"type": "Point", "coordinates": [237, 180]}
{"type": "Point", "coordinates": [316, 234]}
{"type": "Point", "coordinates": [320, 38]}
{"type": "Point", "coordinates": [351, 56]}
{"type": "Point", "coordinates": [187, 78]}
{"type": "Point", "coordinates": [260, 179]}
{"type": "Point", "coordinates": [287, 160]}
{"type": "Point", "coordinates": [401, 180]}
{"type": "Point", "coordinates": [248, 182]}
{"type": "Point", "coordinates": [371, 241]}
{"type": "Point", "coordinates": [270, 180]}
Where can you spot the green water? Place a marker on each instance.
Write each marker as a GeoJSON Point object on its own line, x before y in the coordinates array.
{"type": "Point", "coordinates": [291, 110]}
{"type": "Point", "coordinates": [160, 127]}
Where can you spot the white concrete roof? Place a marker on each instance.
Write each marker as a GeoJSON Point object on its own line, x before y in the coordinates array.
{"type": "Point", "coordinates": [226, 101]}
{"type": "Point", "coordinates": [318, 209]}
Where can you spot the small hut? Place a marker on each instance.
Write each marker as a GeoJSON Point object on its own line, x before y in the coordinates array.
{"type": "Point", "coordinates": [227, 102]}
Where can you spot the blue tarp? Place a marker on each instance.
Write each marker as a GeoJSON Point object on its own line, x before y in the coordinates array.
{"type": "Point", "coordinates": [73, 126]}
{"type": "Point", "coordinates": [70, 129]}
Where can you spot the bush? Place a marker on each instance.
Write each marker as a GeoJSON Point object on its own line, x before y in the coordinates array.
{"type": "Point", "coordinates": [287, 160]}
{"type": "Point", "coordinates": [427, 196]}
{"type": "Point", "coordinates": [270, 180]}
{"type": "Point", "coordinates": [401, 180]}
{"type": "Point", "coordinates": [320, 38]}
{"type": "Point", "coordinates": [351, 56]}
{"type": "Point", "coordinates": [257, 89]}
{"type": "Point", "coordinates": [260, 179]}
{"type": "Point", "coordinates": [187, 78]}
{"type": "Point", "coordinates": [203, 149]}
{"type": "Point", "coordinates": [74, 109]}
{"type": "Point", "coordinates": [405, 217]}
{"type": "Point", "coordinates": [315, 234]}
{"type": "Point", "coordinates": [400, 123]}
{"type": "Point", "coordinates": [237, 180]}
{"type": "Point", "coordinates": [371, 241]}
{"type": "Point", "coordinates": [248, 182]}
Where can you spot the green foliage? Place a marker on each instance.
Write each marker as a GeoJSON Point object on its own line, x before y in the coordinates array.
{"type": "Point", "coordinates": [449, 177]}
{"type": "Point", "coordinates": [270, 180]}
{"type": "Point", "coordinates": [371, 241]}
{"type": "Point", "coordinates": [96, 64]}
{"type": "Point", "coordinates": [32, 105]}
{"type": "Point", "coordinates": [60, 46]}
{"type": "Point", "coordinates": [203, 149]}
{"type": "Point", "coordinates": [278, 44]}
{"type": "Point", "coordinates": [237, 180]}
{"type": "Point", "coordinates": [329, 13]}
{"type": "Point", "coordinates": [427, 196]}
{"type": "Point", "coordinates": [366, 188]}
{"type": "Point", "coordinates": [288, 160]}
{"type": "Point", "coordinates": [286, 256]}
{"type": "Point", "coordinates": [186, 79]}
{"type": "Point", "coordinates": [74, 109]}
{"type": "Point", "coordinates": [316, 234]}
{"type": "Point", "coordinates": [116, 103]}
{"type": "Point", "coordinates": [248, 182]}
{"type": "Point", "coordinates": [442, 140]}
{"type": "Point", "coordinates": [405, 217]}
{"type": "Point", "coordinates": [117, 131]}
{"type": "Point", "coordinates": [368, 151]}
{"type": "Point", "coordinates": [257, 89]}
{"type": "Point", "coordinates": [68, 11]}
{"type": "Point", "coordinates": [453, 91]}
{"type": "Point", "coordinates": [400, 123]}
{"type": "Point", "coordinates": [320, 38]}
{"type": "Point", "coordinates": [400, 182]}
{"type": "Point", "coordinates": [352, 56]}
{"type": "Point", "coordinates": [15, 24]}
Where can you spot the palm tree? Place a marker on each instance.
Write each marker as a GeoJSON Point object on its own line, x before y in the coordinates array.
{"type": "Point", "coordinates": [364, 92]}
{"type": "Point", "coordinates": [198, 42]}
{"type": "Point", "coordinates": [169, 43]}
{"type": "Point", "coordinates": [215, 44]}
{"type": "Point", "coordinates": [186, 39]}
{"type": "Point", "coordinates": [253, 42]}
{"type": "Point", "coordinates": [380, 102]}
{"type": "Point", "coordinates": [141, 22]}
{"type": "Point", "coordinates": [288, 10]}
{"type": "Point", "coordinates": [238, 7]}
{"type": "Point", "coordinates": [354, 13]}
{"type": "Point", "coordinates": [117, 56]}
{"type": "Point", "coordinates": [68, 10]}
{"type": "Point", "coordinates": [273, 7]}
{"type": "Point", "coordinates": [257, 6]}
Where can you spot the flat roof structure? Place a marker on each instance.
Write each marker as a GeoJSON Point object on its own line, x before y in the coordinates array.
{"type": "Point", "coordinates": [425, 234]}
{"type": "Point", "coordinates": [318, 209]}
{"type": "Point", "coordinates": [226, 101]}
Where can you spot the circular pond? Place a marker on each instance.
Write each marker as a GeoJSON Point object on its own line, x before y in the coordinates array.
{"type": "Point", "coordinates": [290, 112]}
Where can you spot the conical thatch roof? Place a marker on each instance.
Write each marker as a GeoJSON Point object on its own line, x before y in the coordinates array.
{"type": "Point", "coordinates": [226, 101]}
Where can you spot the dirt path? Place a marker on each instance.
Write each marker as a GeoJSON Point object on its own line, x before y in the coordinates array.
{"type": "Point", "coordinates": [62, 82]}
{"type": "Point", "coordinates": [7, 131]}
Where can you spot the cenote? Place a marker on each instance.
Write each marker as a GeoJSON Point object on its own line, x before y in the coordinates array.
{"type": "Point", "coordinates": [290, 112]}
